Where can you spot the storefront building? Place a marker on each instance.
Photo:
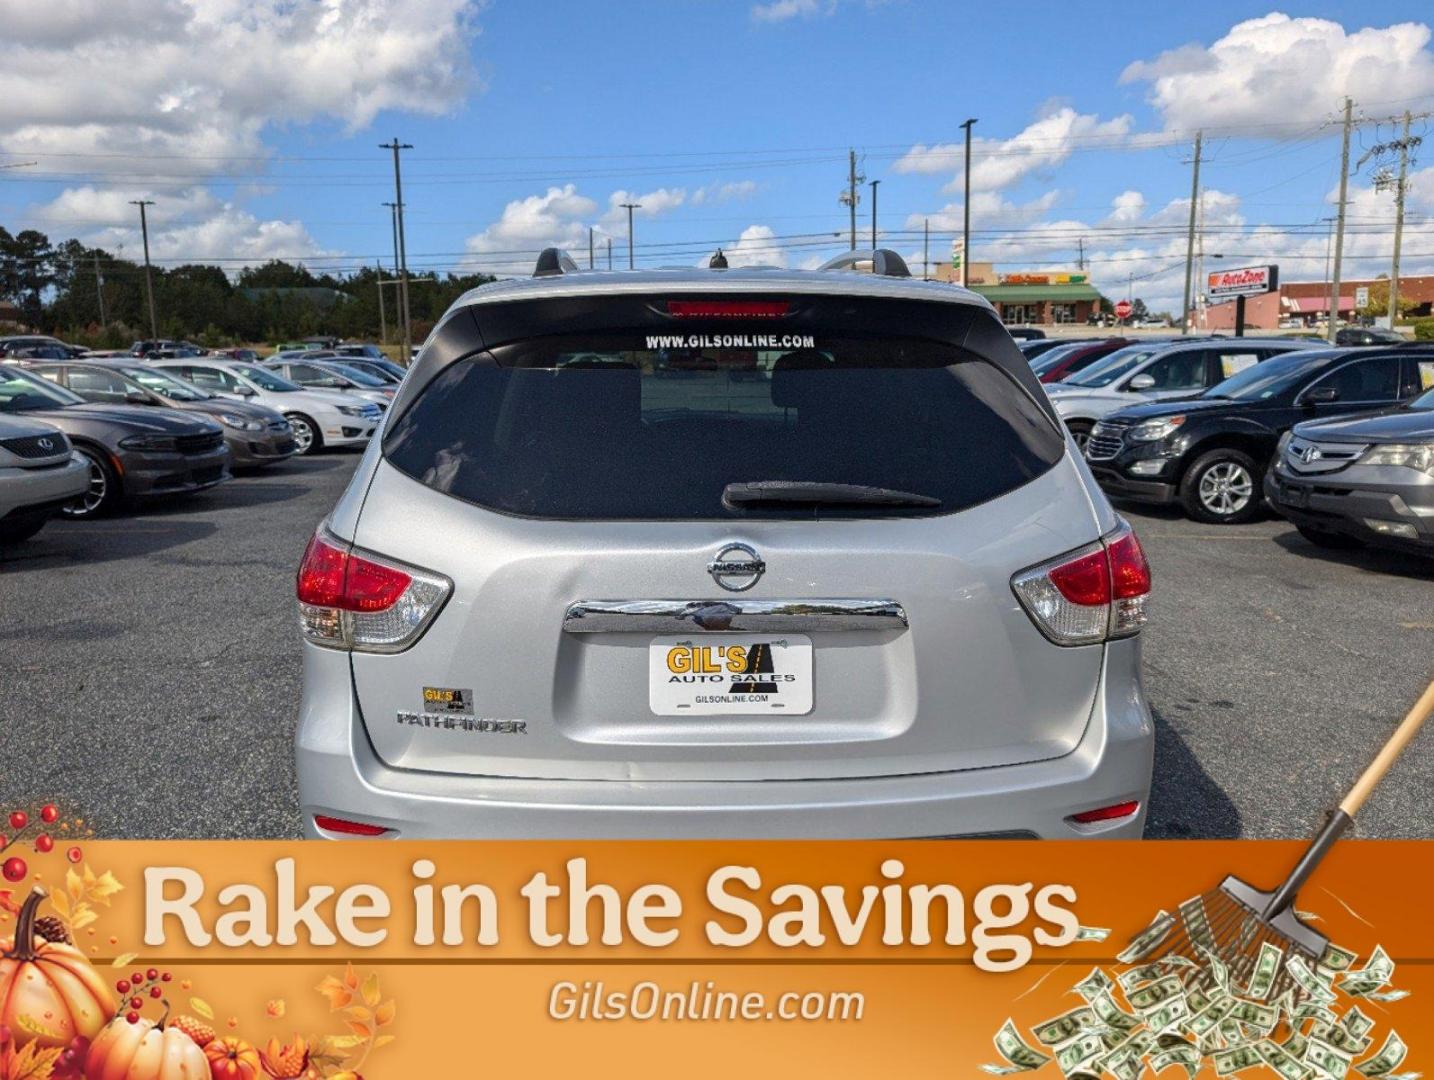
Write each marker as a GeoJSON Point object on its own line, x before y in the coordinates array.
{"type": "Point", "coordinates": [1036, 298]}
{"type": "Point", "coordinates": [1298, 304]}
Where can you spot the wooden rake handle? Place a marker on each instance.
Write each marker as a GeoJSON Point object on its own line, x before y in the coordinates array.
{"type": "Point", "coordinates": [1387, 756]}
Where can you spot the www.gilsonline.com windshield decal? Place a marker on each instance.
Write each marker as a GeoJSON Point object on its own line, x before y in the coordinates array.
{"type": "Point", "coordinates": [731, 341]}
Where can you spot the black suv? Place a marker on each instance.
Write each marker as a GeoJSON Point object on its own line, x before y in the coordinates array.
{"type": "Point", "coordinates": [1210, 453]}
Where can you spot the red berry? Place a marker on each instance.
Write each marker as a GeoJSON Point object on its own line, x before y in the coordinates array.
{"type": "Point", "coordinates": [137, 978]}
{"type": "Point", "coordinates": [49, 813]}
{"type": "Point", "coordinates": [132, 1017]}
{"type": "Point", "coordinates": [15, 868]}
{"type": "Point", "coordinates": [122, 986]}
{"type": "Point", "coordinates": [19, 819]}
{"type": "Point", "coordinates": [43, 844]}
{"type": "Point", "coordinates": [155, 991]}
{"type": "Point", "coordinates": [165, 977]}
{"type": "Point", "coordinates": [152, 974]}
{"type": "Point", "coordinates": [136, 1003]}
{"type": "Point", "coordinates": [74, 854]}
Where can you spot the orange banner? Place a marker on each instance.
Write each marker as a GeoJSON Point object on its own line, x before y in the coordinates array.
{"type": "Point", "coordinates": [403, 959]}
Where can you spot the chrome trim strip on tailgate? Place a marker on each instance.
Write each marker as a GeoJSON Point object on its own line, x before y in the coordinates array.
{"type": "Point", "coordinates": [761, 616]}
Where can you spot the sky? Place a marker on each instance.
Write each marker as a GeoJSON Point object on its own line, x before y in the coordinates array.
{"type": "Point", "coordinates": [254, 126]}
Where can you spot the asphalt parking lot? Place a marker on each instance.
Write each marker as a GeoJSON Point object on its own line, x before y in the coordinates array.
{"type": "Point", "coordinates": [150, 668]}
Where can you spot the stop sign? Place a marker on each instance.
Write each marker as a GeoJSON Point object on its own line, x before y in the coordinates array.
{"type": "Point", "coordinates": [1122, 309]}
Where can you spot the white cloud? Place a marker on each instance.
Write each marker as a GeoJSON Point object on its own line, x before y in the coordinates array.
{"type": "Point", "coordinates": [782, 10]}
{"type": "Point", "coordinates": [165, 87]}
{"type": "Point", "coordinates": [999, 163]}
{"type": "Point", "coordinates": [755, 247]}
{"type": "Point", "coordinates": [526, 226]}
{"type": "Point", "coordinates": [1127, 206]}
{"type": "Point", "coordinates": [650, 205]}
{"type": "Point", "coordinates": [1277, 69]}
{"type": "Point", "coordinates": [720, 193]}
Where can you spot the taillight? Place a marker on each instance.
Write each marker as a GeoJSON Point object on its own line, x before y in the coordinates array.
{"type": "Point", "coordinates": [1106, 813]}
{"type": "Point", "coordinates": [363, 601]}
{"type": "Point", "coordinates": [347, 827]}
{"type": "Point", "coordinates": [1091, 594]}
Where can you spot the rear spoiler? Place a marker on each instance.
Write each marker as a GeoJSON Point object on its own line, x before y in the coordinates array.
{"type": "Point", "coordinates": [884, 262]}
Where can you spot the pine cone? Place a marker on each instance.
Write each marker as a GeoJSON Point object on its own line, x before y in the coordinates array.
{"type": "Point", "coordinates": [52, 929]}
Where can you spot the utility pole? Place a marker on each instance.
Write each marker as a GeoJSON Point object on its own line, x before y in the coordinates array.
{"type": "Point", "coordinates": [403, 308]}
{"type": "Point", "coordinates": [1339, 226]}
{"type": "Point", "coordinates": [393, 209]}
{"type": "Point", "coordinates": [1401, 188]}
{"type": "Point", "coordinates": [100, 289]}
{"type": "Point", "coordinates": [966, 209]}
{"type": "Point", "coordinates": [629, 207]}
{"type": "Point", "coordinates": [1190, 239]}
{"type": "Point", "coordinates": [849, 198]}
{"type": "Point", "coordinates": [926, 250]}
{"type": "Point", "coordinates": [382, 317]}
{"type": "Point", "coordinates": [590, 247]}
{"type": "Point", "coordinates": [609, 252]}
{"type": "Point", "coordinates": [1080, 258]}
{"type": "Point", "coordinates": [148, 282]}
{"type": "Point", "coordinates": [873, 216]}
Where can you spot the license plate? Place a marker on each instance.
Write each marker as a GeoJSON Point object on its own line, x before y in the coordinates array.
{"type": "Point", "coordinates": [711, 674]}
{"type": "Point", "coordinates": [1298, 497]}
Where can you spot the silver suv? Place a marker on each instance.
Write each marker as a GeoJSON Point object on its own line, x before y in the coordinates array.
{"type": "Point", "coordinates": [722, 553]}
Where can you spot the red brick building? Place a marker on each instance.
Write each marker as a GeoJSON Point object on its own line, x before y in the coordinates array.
{"type": "Point", "coordinates": [1308, 302]}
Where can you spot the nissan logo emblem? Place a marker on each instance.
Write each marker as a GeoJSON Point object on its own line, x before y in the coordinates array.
{"type": "Point", "coordinates": [737, 568]}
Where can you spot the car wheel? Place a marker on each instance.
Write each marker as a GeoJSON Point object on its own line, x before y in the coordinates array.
{"type": "Point", "coordinates": [13, 532]}
{"type": "Point", "coordinates": [306, 433]}
{"type": "Point", "coordinates": [1332, 540]}
{"type": "Point", "coordinates": [1222, 487]}
{"type": "Point", "coordinates": [104, 490]}
{"type": "Point", "coordinates": [1080, 432]}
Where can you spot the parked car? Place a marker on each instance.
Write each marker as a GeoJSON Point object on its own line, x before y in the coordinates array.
{"type": "Point", "coordinates": [327, 375]}
{"type": "Point", "coordinates": [164, 347]}
{"type": "Point", "coordinates": [364, 350]}
{"type": "Point", "coordinates": [642, 567]}
{"type": "Point", "coordinates": [1368, 335]}
{"type": "Point", "coordinates": [256, 435]}
{"type": "Point", "coordinates": [1211, 454]}
{"type": "Point", "coordinates": [386, 370]}
{"type": "Point", "coordinates": [17, 344]}
{"type": "Point", "coordinates": [1361, 480]}
{"type": "Point", "coordinates": [318, 418]}
{"type": "Point", "coordinates": [131, 451]}
{"type": "Point", "coordinates": [1025, 333]}
{"type": "Point", "coordinates": [291, 346]}
{"type": "Point", "coordinates": [1035, 347]}
{"type": "Point", "coordinates": [1062, 363]}
{"type": "Point", "coordinates": [1154, 372]}
{"type": "Point", "coordinates": [247, 356]}
{"type": "Point", "coordinates": [39, 474]}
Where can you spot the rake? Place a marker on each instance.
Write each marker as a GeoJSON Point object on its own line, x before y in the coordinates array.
{"type": "Point", "coordinates": [1233, 922]}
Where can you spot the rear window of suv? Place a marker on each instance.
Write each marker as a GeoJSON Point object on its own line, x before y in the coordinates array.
{"type": "Point", "coordinates": [645, 426]}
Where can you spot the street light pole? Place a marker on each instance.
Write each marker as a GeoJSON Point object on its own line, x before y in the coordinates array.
{"type": "Point", "coordinates": [148, 282]}
{"type": "Point", "coordinates": [966, 208]}
{"type": "Point", "coordinates": [630, 207]}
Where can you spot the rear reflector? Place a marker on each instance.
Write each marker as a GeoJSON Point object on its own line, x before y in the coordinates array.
{"type": "Point", "coordinates": [363, 601]}
{"type": "Point", "coordinates": [1091, 594]}
{"type": "Point", "coordinates": [728, 309]}
{"type": "Point", "coordinates": [1106, 813]}
{"type": "Point", "coordinates": [348, 828]}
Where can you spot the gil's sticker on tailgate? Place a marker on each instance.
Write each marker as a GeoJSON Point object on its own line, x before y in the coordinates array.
{"type": "Point", "coordinates": [709, 674]}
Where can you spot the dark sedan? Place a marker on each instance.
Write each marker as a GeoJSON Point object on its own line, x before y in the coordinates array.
{"type": "Point", "coordinates": [256, 435]}
{"type": "Point", "coordinates": [1210, 453]}
{"type": "Point", "coordinates": [133, 451]}
{"type": "Point", "coordinates": [1362, 480]}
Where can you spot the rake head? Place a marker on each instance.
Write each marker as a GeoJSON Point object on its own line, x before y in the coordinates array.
{"type": "Point", "coordinates": [1231, 925]}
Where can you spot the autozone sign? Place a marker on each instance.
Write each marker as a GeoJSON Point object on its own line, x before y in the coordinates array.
{"type": "Point", "coordinates": [1246, 281]}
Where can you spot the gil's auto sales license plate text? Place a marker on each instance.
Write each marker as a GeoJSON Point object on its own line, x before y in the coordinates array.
{"type": "Point", "coordinates": [708, 674]}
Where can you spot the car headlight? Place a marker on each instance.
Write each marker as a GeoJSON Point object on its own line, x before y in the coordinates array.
{"type": "Point", "coordinates": [1418, 456]}
{"type": "Point", "coordinates": [1154, 430]}
{"type": "Point", "coordinates": [352, 410]}
{"type": "Point", "coordinates": [240, 423]}
{"type": "Point", "coordinates": [148, 442]}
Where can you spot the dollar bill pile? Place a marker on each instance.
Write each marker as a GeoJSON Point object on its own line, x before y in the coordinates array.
{"type": "Point", "coordinates": [1194, 1012]}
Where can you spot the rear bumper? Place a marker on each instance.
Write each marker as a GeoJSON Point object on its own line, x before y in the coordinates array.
{"type": "Point", "coordinates": [339, 775]}
{"type": "Point", "coordinates": [27, 492]}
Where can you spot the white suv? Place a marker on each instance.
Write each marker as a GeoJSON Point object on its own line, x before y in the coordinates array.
{"type": "Point", "coordinates": [319, 417]}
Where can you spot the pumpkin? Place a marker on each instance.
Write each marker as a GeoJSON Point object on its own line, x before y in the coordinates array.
{"type": "Point", "coordinates": [144, 1050]}
{"type": "Point", "coordinates": [232, 1059]}
{"type": "Point", "coordinates": [49, 993]}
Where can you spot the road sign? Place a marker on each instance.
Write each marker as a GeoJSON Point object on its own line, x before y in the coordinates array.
{"type": "Point", "coordinates": [1123, 309]}
{"type": "Point", "coordinates": [1246, 281]}
{"type": "Point", "coordinates": [1361, 296]}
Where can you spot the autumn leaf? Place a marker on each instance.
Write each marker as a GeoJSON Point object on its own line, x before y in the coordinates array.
{"type": "Point", "coordinates": [383, 1040]}
{"type": "Point", "coordinates": [339, 1042]}
{"type": "Point", "coordinates": [359, 1013]}
{"type": "Point", "coordinates": [33, 1063]}
{"type": "Point", "coordinates": [363, 1031]}
{"type": "Point", "coordinates": [371, 994]}
{"type": "Point", "coordinates": [276, 1008]}
{"type": "Point", "coordinates": [84, 915]}
{"type": "Point", "coordinates": [337, 993]}
{"type": "Point", "coordinates": [384, 1014]}
{"type": "Point", "coordinates": [123, 960]}
{"type": "Point", "coordinates": [202, 1007]}
{"type": "Point", "coordinates": [74, 885]}
{"type": "Point", "coordinates": [351, 979]}
{"type": "Point", "coordinates": [61, 903]}
{"type": "Point", "coordinates": [102, 888]}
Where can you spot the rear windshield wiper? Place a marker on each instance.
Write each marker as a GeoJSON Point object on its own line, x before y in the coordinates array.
{"type": "Point", "coordinates": [811, 493]}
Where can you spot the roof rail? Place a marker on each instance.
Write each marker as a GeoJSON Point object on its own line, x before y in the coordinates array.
{"type": "Point", "coordinates": [553, 262]}
{"type": "Point", "coordinates": [881, 261]}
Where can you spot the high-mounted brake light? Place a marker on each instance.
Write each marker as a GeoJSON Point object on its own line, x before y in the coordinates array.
{"type": "Point", "coordinates": [728, 309]}
{"type": "Point", "coordinates": [1091, 594]}
{"type": "Point", "coordinates": [363, 601]}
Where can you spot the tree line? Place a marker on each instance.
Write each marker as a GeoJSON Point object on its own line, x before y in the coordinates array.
{"type": "Point", "coordinates": [62, 288]}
